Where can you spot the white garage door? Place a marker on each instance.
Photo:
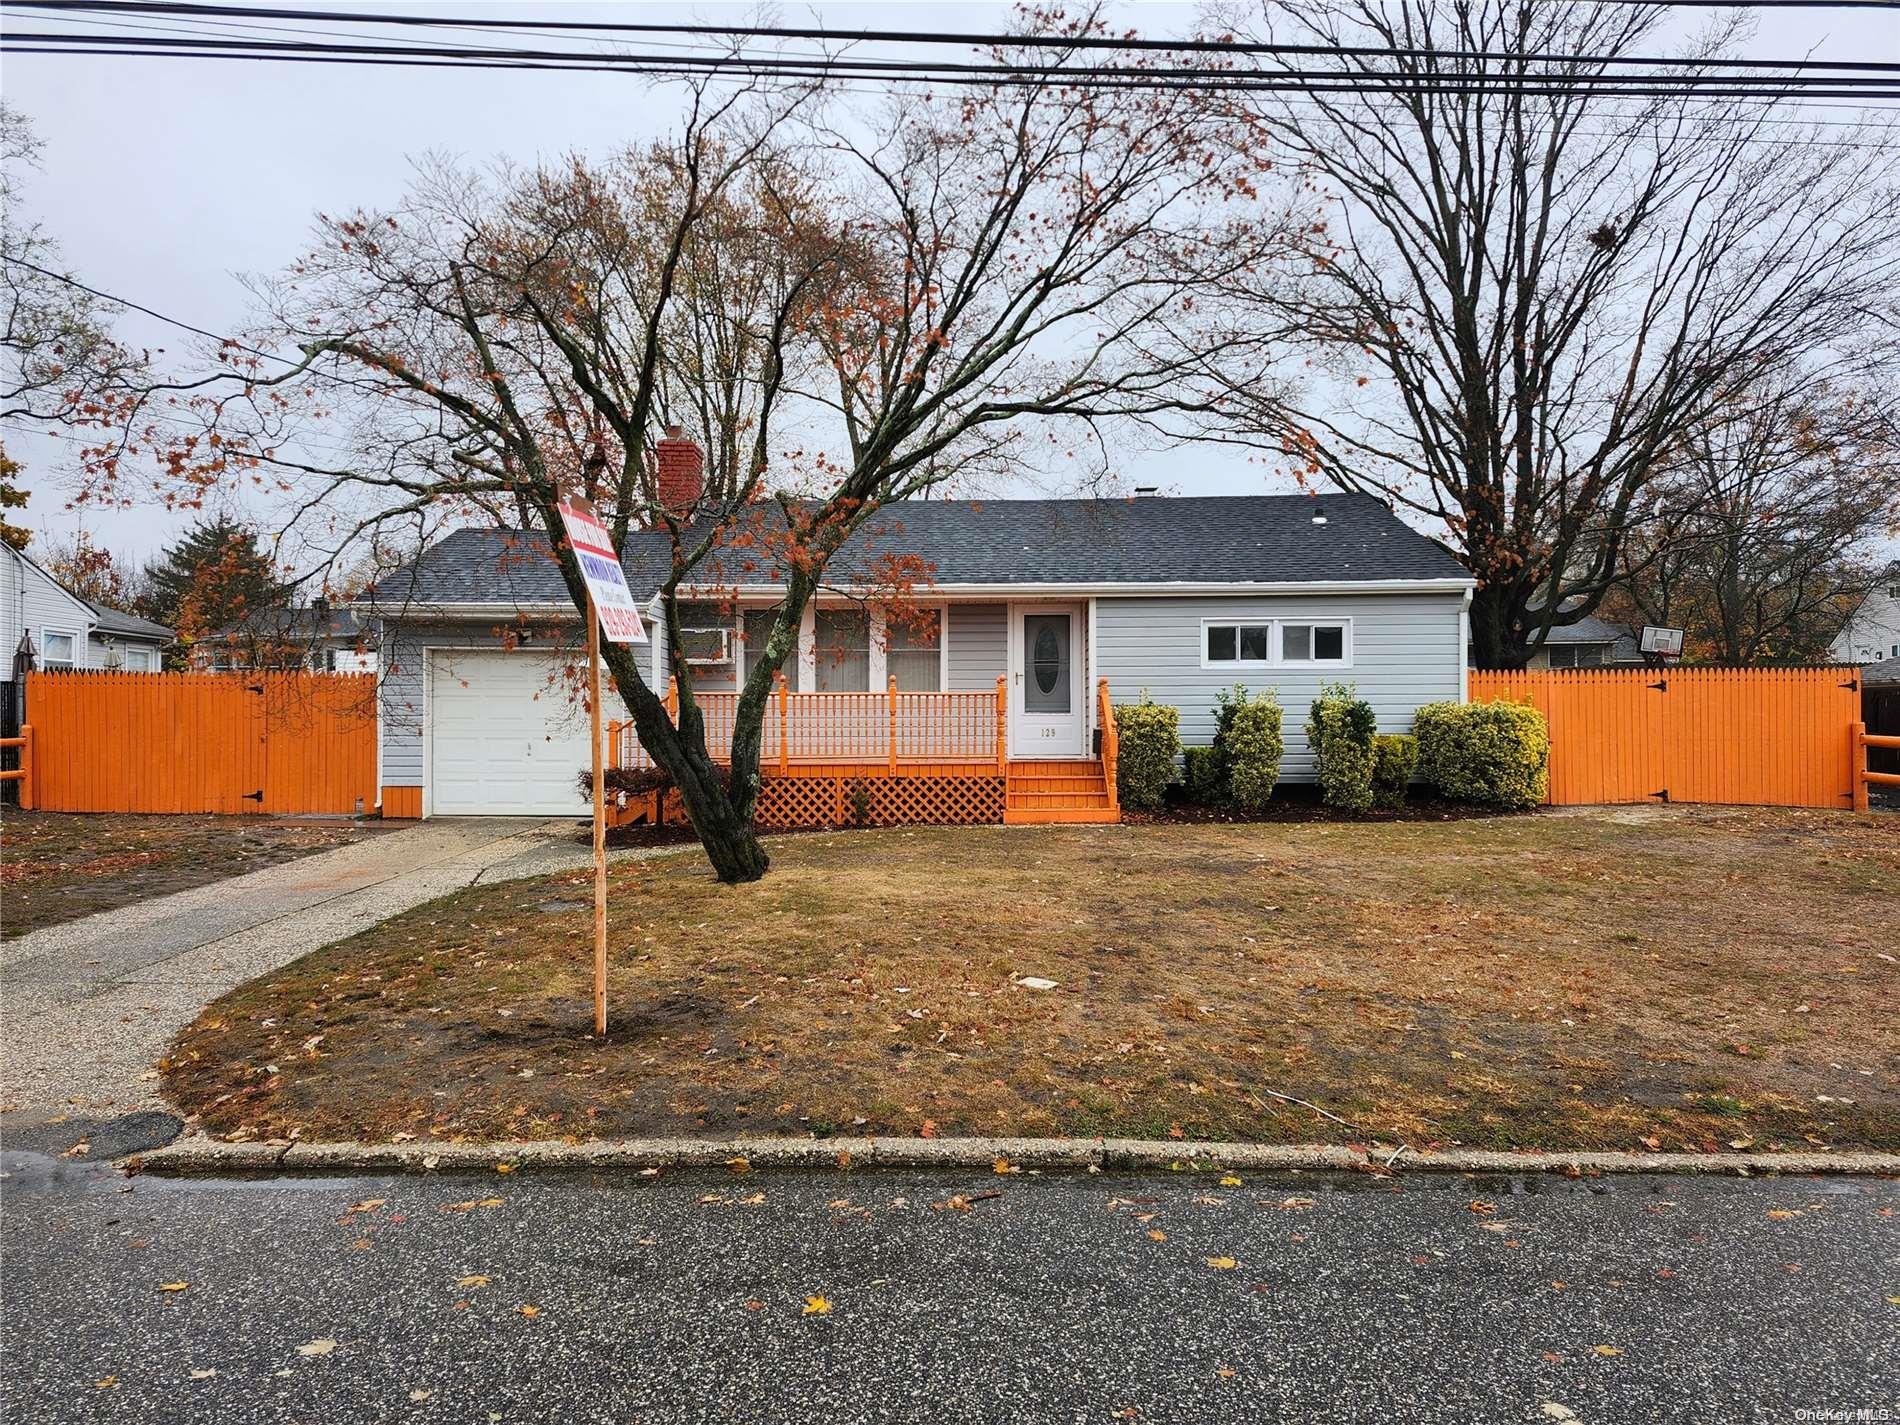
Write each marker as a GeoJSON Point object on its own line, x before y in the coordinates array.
{"type": "Point", "coordinates": [503, 740]}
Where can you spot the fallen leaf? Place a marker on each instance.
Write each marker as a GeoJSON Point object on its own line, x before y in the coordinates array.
{"type": "Point", "coordinates": [752, 1200]}
{"type": "Point", "coordinates": [1558, 1412]}
{"type": "Point", "coordinates": [1222, 1264]}
{"type": "Point", "coordinates": [1155, 1234]}
{"type": "Point", "coordinates": [529, 1311]}
{"type": "Point", "coordinates": [816, 1306]}
{"type": "Point", "coordinates": [1225, 1372]}
{"type": "Point", "coordinates": [173, 1286]}
{"type": "Point", "coordinates": [420, 1395]}
{"type": "Point", "coordinates": [368, 1204]}
{"type": "Point", "coordinates": [928, 1129]}
{"type": "Point", "coordinates": [1003, 1166]}
{"type": "Point", "coordinates": [322, 1346]}
{"type": "Point", "coordinates": [1653, 1144]}
{"type": "Point", "coordinates": [204, 1374]}
{"type": "Point", "coordinates": [106, 1383]}
{"type": "Point", "coordinates": [475, 1280]}
{"type": "Point", "coordinates": [1294, 1203]}
{"type": "Point", "coordinates": [1607, 1350]}
{"type": "Point", "coordinates": [740, 1164]}
{"type": "Point", "coordinates": [504, 1167]}
{"type": "Point", "coordinates": [1230, 1181]}
{"type": "Point", "coordinates": [755, 1305]}
{"type": "Point", "coordinates": [1480, 1206]}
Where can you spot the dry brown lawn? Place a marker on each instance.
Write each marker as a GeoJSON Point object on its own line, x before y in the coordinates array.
{"type": "Point", "coordinates": [1683, 977]}
{"type": "Point", "coordinates": [58, 866]}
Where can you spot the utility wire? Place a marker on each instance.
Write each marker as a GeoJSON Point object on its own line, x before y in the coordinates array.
{"type": "Point", "coordinates": [75, 283]}
{"type": "Point", "coordinates": [1101, 77]}
{"type": "Point", "coordinates": [914, 37]}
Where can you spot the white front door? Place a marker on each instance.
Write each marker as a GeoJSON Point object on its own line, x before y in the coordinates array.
{"type": "Point", "coordinates": [1045, 701]}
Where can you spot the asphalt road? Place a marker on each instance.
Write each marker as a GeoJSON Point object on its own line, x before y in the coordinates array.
{"type": "Point", "coordinates": [1063, 1299]}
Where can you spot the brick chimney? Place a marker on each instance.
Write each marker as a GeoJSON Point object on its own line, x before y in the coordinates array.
{"type": "Point", "coordinates": [682, 464]}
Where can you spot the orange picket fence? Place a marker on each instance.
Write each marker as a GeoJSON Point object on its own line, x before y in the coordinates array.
{"type": "Point", "coordinates": [1752, 736]}
{"type": "Point", "coordinates": [286, 743]}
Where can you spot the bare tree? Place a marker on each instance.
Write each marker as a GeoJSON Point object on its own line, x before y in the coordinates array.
{"type": "Point", "coordinates": [848, 304]}
{"type": "Point", "coordinates": [1767, 525]}
{"type": "Point", "coordinates": [58, 358]}
{"type": "Point", "coordinates": [1530, 291]}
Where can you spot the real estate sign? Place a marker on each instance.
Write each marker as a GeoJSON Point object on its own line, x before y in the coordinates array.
{"type": "Point", "coordinates": [600, 566]}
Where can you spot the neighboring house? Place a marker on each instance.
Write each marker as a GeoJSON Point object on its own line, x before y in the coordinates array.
{"type": "Point", "coordinates": [41, 619]}
{"type": "Point", "coordinates": [1590, 642]}
{"type": "Point", "coordinates": [1175, 599]}
{"type": "Point", "coordinates": [1872, 631]}
{"type": "Point", "coordinates": [320, 638]}
{"type": "Point", "coordinates": [1880, 710]}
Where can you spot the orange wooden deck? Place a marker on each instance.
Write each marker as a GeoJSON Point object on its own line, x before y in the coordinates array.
{"type": "Point", "coordinates": [891, 759]}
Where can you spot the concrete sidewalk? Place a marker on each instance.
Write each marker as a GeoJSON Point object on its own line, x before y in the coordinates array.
{"type": "Point", "coordinates": [89, 1006]}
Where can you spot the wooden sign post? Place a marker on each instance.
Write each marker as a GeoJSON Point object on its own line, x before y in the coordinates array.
{"type": "Point", "coordinates": [600, 824]}
{"type": "Point", "coordinates": [609, 604]}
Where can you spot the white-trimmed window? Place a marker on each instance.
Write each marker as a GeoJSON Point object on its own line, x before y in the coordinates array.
{"type": "Point", "coordinates": [58, 648]}
{"type": "Point", "coordinates": [1576, 655]}
{"type": "Point", "coordinates": [1276, 643]}
{"type": "Point", "coordinates": [913, 651]}
{"type": "Point", "coordinates": [842, 642]}
{"type": "Point", "coordinates": [137, 660]}
{"type": "Point", "coordinates": [705, 636]}
{"type": "Point", "coordinates": [757, 626]}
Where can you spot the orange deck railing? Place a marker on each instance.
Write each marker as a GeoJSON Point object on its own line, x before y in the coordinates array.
{"type": "Point", "coordinates": [892, 728]}
{"type": "Point", "coordinates": [1111, 741]}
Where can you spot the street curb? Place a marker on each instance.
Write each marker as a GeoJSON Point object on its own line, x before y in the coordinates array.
{"type": "Point", "coordinates": [199, 1155]}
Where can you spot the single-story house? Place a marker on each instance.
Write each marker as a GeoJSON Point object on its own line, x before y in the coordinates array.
{"type": "Point", "coordinates": [992, 675]}
{"type": "Point", "coordinates": [46, 626]}
{"type": "Point", "coordinates": [318, 637]}
{"type": "Point", "coordinates": [1590, 642]}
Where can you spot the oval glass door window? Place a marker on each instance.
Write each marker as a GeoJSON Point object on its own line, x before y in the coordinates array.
{"type": "Point", "coordinates": [1047, 637]}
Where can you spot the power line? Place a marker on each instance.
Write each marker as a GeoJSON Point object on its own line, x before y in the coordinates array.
{"type": "Point", "coordinates": [146, 311]}
{"type": "Point", "coordinates": [917, 37]}
{"type": "Point", "coordinates": [1870, 86]}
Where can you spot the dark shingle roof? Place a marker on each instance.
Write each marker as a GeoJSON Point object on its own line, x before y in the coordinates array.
{"type": "Point", "coordinates": [1149, 540]}
{"type": "Point", "coordinates": [305, 624]}
{"type": "Point", "coordinates": [1883, 674]}
{"type": "Point", "coordinates": [116, 623]}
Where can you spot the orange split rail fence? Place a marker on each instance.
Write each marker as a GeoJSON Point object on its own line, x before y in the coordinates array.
{"type": "Point", "coordinates": [283, 743]}
{"type": "Point", "coordinates": [1751, 736]}
{"type": "Point", "coordinates": [1864, 776]}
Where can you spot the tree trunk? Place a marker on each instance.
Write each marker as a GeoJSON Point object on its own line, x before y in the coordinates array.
{"type": "Point", "coordinates": [1494, 635]}
{"type": "Point", "coordinates": [727, 836]}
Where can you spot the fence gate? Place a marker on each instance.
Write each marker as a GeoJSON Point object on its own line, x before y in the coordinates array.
{"type": "Point", "coordinates": [286, 743]}
{"type": "Point", "coordinates": [1755, 736]}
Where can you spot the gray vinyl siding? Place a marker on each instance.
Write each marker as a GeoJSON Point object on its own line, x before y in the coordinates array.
{"type": "Point", "coordinates": [1405, 647]}
{"type": "Point", "coordinates": [31, 603]}
{"type": "Point", "coordinates": [979, 648]}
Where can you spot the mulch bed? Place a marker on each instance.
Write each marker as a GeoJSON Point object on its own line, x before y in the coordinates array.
{"type": "Point", "coordinates": [1300, 802]}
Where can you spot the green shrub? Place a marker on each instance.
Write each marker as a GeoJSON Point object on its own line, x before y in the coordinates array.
{"type": "Point", "coordinates": [1495, 753]}
{"type": "Point", "coordinates": [1252, 747]}
{"type": "Point", "coordinates": [1340, 731]}
{"type": "Point", "coordinates": [1394, 757]}
{"type": "Point", "coordinates": [1150, 737]}
{"type": "Point", "coordinates": [1205, 775]}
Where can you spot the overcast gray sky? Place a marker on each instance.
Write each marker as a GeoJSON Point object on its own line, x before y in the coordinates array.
{"type": "Point", "coordinates": [165, 179]}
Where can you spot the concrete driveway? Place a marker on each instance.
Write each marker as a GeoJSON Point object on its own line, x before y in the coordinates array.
{"type": "Point", "coordinates": [91, 1005]}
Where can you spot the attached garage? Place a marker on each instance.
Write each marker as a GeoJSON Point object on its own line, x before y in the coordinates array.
{"type": "Point", "coordinates": [504, 736]}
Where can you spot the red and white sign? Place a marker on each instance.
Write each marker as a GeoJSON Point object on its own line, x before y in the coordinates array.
{"type": "Point", "coordinates": [594, 550]}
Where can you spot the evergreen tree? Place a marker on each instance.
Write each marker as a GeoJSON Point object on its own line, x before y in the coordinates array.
{"type": "Point", "coordinates": [216, 577]}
